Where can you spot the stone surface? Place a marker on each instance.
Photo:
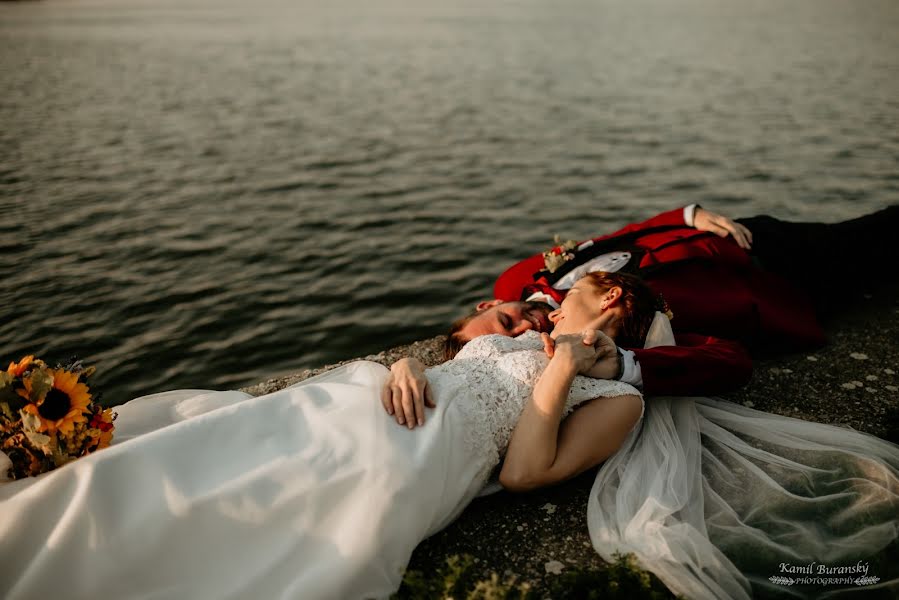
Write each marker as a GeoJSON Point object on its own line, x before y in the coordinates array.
{"type": "Point", "coordinates": [520, 534]}
{"type": "Point", "coordinates": [429, 351]}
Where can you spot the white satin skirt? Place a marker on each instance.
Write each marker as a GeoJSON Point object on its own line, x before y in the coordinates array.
{"type": "Point", "coordinates": [312, 492]}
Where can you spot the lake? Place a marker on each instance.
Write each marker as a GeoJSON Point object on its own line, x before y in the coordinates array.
{"type": "Point", "coordinates": [205, 194]}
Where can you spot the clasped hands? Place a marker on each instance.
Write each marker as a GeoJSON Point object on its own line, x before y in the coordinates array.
{"type": "Point", "coordinates": [591, 352]}
{"type": "Point", "coordinates": [406, 392]}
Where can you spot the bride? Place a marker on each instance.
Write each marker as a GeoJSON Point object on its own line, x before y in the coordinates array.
{"type": "Point", "coordinates": [309, 492]}
{"type": "Point", "coordinates": [314, 492]}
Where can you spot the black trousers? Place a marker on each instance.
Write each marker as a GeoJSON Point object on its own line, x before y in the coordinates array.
{"type": "Point", "coordinates": [827, 258]}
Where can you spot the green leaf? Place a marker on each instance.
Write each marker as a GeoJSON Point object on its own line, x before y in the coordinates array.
{"type": "Point", "coordinates": [41, 382]}
{"type": "Point", "coordinates": [39, 440]}
{"type": "Point", "coordinates": [30, 422]}
{"type": "Point", "coordinates": [8, 413]}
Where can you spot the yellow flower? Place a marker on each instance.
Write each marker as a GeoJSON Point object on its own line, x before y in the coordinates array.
{"type": "Point", "coordinates": [105, 439]}
{"type": "Point", "coordinates": [64, 404]}
{"type": "Point", "coordinates": [17, 368]}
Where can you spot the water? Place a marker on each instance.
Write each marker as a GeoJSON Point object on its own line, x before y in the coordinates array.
{"type": "Point", "coordinates": [208, 194]}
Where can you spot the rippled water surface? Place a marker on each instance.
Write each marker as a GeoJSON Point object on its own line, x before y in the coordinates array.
{"type": "Point", "coordinates": [210, 193]}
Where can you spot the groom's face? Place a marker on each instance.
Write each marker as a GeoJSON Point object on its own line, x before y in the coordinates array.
{"type": "Point", "coordinates": [507, 318]}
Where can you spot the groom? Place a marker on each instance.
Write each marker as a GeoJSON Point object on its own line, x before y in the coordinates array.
{"type": "Point", "coordinates": [751, 283]}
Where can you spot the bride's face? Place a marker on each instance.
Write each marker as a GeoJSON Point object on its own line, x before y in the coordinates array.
{"type": "Point", "coordinates": [584, 307]}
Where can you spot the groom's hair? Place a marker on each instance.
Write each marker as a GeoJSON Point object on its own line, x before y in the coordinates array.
{"type": "Point", "coordinates": [638, 302]}
{"type": "Point", "coordinates": [454, 339]}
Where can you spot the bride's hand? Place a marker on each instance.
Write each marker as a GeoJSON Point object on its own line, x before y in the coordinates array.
{"type": "Point", "coordinates": [606, 362]}
{"type": "Point", "coordinates": [577, 348]}
{"type": "Point", "coordinates": [406, 392]}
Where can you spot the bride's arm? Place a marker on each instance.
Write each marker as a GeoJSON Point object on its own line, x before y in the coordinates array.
{"type": "Point", "coordinates": [543, 451]}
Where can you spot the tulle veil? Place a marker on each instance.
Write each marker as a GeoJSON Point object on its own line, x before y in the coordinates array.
{"type": "Point", "coordinates": [721, 501]}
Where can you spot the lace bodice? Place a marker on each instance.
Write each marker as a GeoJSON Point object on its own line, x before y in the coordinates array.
{"type": "Point", "coordinates": [492, 378]}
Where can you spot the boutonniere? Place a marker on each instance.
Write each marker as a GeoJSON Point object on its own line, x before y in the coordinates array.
{"type": "Point", "coordinates": [559, 255]}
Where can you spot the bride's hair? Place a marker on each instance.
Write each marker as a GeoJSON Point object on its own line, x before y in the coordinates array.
{"type": "Point", "coordinates": [638, 301]}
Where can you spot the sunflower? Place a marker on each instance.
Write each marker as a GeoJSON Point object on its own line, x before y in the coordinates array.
{"type": "Point", "coordinates": [17, 368]}
{"type": "Point", "coordinates": [64, 404]}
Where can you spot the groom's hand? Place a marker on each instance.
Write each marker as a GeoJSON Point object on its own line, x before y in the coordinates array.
{"type": "Point", "coordinates": [406, 392]}
{"type": "Point", "coordinates": [720, 225]}
{"type": "Point", "coordinates": [608, 361]}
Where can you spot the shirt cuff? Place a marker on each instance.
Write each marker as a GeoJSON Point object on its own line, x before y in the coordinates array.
{"type": "Point", "coordinates": [541, 297]}
{"type": "Point", "coordinates": [632, 373]}
{"type": "Point", "coordinates": [690, 214]}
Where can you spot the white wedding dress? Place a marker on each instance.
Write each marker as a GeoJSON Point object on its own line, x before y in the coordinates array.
{"type": "Point", "coordinates": [310, 492]}
{"type": "Point", "coordinates": [724, 502]}
{"type": "Point", "coordinates": [315, 492]}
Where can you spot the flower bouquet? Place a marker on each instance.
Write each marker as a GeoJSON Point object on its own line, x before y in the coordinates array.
{"type": "Point", "coordinates": [48, 417]}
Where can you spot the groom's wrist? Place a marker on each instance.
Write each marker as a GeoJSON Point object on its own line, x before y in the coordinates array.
{"type": "Point", "coordinates": [632, 373]}
{"type": "Point", "coordinates": [690, 214]}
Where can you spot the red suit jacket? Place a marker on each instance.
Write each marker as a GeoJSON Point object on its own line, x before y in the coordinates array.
{"type": "Point", "coordinates": [715, 291]}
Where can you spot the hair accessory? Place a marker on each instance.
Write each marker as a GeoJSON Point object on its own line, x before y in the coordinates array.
{"type": "Point", "coordinates": [659, 333]}
{"type": "Point", "coordinates": [662, 307]}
